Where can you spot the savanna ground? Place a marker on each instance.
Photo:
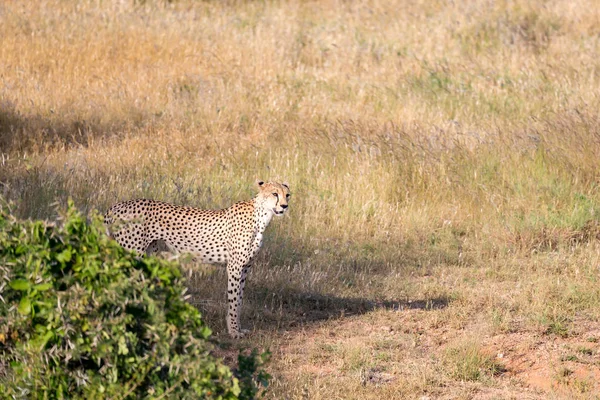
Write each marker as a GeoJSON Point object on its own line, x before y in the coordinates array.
{"type": "Point", "coordinates": [443, 234]}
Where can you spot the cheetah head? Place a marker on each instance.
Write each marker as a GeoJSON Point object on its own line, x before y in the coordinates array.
{"type": "Point", "coordinates": [275, 196]}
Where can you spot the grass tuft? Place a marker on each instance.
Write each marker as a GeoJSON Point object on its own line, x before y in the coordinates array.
{"type": "Point", "coordinates": [468, 362]}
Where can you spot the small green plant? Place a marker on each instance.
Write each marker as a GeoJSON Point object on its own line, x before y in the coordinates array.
{"type": "Point", "coordinates": [585, 351]}
{"type": "Point", "coordinates": [569, 357]}
{"type": "Point", "coordinates": [558, 325]}
{"type": "Point", "coordinates": [83, 318]}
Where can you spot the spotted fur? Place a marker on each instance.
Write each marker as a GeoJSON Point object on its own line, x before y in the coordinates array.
{"type": "Point", "coordinates": [230, 236]}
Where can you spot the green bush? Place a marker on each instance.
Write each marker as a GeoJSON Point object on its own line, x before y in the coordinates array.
{"type": "Point", "coordinates": [80, 317]}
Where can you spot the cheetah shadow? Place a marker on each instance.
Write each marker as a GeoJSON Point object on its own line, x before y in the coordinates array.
{"type": "Point", "coordinates": [268, 310]}
{"type": "Point", "coordinates": [290, 309]}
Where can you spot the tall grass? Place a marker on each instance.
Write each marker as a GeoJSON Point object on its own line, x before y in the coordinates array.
{"type": "Point", "coordinates": [454, 140]}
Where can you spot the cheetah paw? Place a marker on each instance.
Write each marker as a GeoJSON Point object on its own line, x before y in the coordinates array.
{"type": "Point", "coordinates": [239, 334]}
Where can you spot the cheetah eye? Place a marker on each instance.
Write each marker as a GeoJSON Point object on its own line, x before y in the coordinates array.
{"type": "Point", "coordinates": [275, 194]}
{"type": "Point", "coordinates": [287, 196]}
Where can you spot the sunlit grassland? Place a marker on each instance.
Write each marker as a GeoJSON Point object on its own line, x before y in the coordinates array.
{"type": "Point", "coordinates": [443, 160]}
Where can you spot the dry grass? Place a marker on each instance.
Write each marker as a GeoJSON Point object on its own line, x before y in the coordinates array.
{"type": "Point", "coordinates": [443, 159]}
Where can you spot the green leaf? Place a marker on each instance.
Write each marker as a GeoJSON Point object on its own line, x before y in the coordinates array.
{"type": "Point", "coordinates": [64, 256]}
{"type": "Point", "coordinates": [42, 287]}
{"type": "Point", "coordinates": [123, 346]}
{"type": "Point", "coordinates": [20, 284]}
{"type": "Point", "coordinates": [24, 306]}
{"type": "Point", "coordinates": [40, 342]}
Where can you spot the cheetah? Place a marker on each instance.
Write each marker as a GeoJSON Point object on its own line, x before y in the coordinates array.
{"type": "Point", "coordinates": [231, 236]}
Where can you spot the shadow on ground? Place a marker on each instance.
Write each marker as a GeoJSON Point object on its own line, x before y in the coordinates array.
{"type": "Point", "coordinates": [268, 309]}
{"type": "Point", "coordinates": [299, 308]}
{"type": "Point", "coordinates": [20, 132]}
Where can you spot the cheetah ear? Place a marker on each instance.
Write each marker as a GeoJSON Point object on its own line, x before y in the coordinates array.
{"type": "Point", "coordinates": [259, 182]}
{"type": "Point", "coordinates": [287, 185]}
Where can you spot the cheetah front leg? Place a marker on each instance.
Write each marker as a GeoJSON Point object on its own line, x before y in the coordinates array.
{"type": "Point", "coordinates": [236, 280]}
{"type": "Point", "coordinates": [234, 299]}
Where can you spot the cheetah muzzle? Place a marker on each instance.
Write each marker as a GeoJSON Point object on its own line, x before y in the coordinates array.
{"type": "Point", "coordinates": [231, 236]}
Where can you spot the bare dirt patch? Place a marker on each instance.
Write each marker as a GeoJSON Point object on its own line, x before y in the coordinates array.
{"type": "Point", "coordinates": [551, 363]}
{"type": "Point", "coordinates": [400, 354]}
